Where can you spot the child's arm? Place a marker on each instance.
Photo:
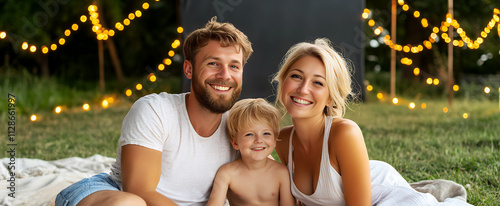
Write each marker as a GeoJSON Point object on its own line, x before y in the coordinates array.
{"type": "Point", "coordinates": [286, 198]}
{"type": "Point", "coordinates": [220, 187]}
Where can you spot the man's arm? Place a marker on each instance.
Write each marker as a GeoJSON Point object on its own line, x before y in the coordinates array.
{"type": "Point", "coordinates": [141, 172]}
{"type": "Point", "coordinates": [219, 190]}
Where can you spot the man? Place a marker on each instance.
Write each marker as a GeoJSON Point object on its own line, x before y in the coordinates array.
{"type": "Point", "coordinates": [172, 145]}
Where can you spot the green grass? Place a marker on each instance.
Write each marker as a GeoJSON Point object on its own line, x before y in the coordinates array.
{"type": "Point", "coordinates": [430, 144]}
{"type": "Point", "coordinates": [420, 144]}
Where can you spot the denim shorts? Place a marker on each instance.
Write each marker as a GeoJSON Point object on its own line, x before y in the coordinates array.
{"type": "Point", "coordinates": [75, 193]}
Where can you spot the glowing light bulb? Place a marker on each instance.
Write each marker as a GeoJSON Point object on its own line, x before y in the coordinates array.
{"type": "Point", "coordinates": [152, 78]}
{"type": "Point", "coordinates": [436, 81]}
{"type": "Point", "coordinates": [86, 107]}
{"type": "Point", "coordinates": [465, 115]}
{"type": "Point", "coordinates": [167, 61]}
{"type": "Point", "coordinates": [128, 92]}
{"type": "Point", "coordinates": [145, 6]}
{"type": "Point", "coordinates": [411, 105]}
{"type": "Point", "coordinates": [83, 18]}
{"type": "Point", "coordinates": [53, 47]}
{"type": "Point", "coordinates": [62, 41]}
{"type": "Point", "coordinates": [416, 71]}
{"type": "Point", "coordinates": [3, 35]}
{"type": "Point", "coordinates": [138, 87]}
{"type": "Point", "coordinates": [429, 81]}
{"type": "Point", "coordinates": [67, 32]}
{"type": "Point", "coordinates": [180, 30]}
{"type": "Point", "coordinates": [105, 103]}
{"type": "Point", "coordinates": [24, 45]}
{"type": "Point", "coordinates": [33, 118]}
{"type": "Point", "coordinates": [487, 90]}
{"type": "Point", "coordinates": [45, 49]}
{"type": "Point", "coordinates": [138, 13]}
{"type": "Point", "coordinates": [456, 88]}
{"type": "Point", "coordinates": [380, 95]}
{"type": "Point", "coordinates": [171, 53]}
{"type": "Point", "coordinates": [445, 109]}
{"type": "Point", "coordinates": [395, 100]}
{"type": "Point", "coordinates": [369, 88]}
{"type": "Point", "coordinates": [32, 48]}
{"type": "Point", "coordinates": [74, 27]}
{"type": "Point", "coordinates": [58, 109]}
{"type": "Point", "coordinates": [161, 67]}
{"type": "Point", "coordinates": [423, 105]}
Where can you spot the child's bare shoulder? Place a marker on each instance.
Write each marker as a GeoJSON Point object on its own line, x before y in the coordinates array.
{"type": "Point", "coordinates": [277, 167]}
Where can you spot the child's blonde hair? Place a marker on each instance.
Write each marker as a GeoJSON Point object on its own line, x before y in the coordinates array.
{"type": "Point", "coordinates": [248, 112]}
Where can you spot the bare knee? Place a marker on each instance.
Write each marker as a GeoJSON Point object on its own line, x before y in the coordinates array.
{"type": "Point", "coordinates": [114, 198]}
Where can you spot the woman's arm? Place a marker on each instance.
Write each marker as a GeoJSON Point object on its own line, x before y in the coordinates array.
{"type": "Point", "coordinates": [141, 171]}
{"type": "Point", "coordinates": [219, 190]}
{"type": "Point", "coordinates": [349, 149]}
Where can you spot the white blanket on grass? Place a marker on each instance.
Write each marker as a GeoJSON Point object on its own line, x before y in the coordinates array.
{"type": "Point", "coordinates": [38, 182]}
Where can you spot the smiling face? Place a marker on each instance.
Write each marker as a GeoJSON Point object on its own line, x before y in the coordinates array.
{"type": "Point", "coordinates": [216, 76]}
{"type": "Point", "coordinates": [255, 143]}
{"type": "Point", "coordinates": [304, 92]}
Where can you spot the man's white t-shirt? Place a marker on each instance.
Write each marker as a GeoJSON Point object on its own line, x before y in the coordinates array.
{"type": "Point", "coordinates": [189, 161]}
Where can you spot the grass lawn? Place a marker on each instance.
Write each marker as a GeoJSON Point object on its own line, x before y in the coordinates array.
{"type": "Point", "coordinates": [420, 143]}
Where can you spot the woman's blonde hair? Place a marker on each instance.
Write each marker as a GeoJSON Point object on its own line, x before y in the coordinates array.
{"type": "Point", "coordinates": [338, 73]}
{"type": "Point", "coordinates": [225, 33]}
{"type": "Point", "coordinates": [248, 112]}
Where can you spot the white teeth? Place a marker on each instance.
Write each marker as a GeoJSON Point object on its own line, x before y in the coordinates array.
{"type": "Point", "coordinates": [301, 101]}
{"type": "Point", "coordinates": [258, 148]}
{"type": "Point", "coordinates": [221, 88]}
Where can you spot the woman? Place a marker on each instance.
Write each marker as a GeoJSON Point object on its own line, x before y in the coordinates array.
{"type": "Point", "coordinates": [326, 154]}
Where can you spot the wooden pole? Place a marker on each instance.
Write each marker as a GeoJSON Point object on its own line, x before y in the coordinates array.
{"type": "Point", "coordinates": [393, 49]}
{"type": "Point", "coordinates": [101, 65]}
{"type": "Point", "coordinates": [450, 56]}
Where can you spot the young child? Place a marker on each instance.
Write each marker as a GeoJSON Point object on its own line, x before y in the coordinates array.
{"type": "Point", "coordinates": [253, 179]}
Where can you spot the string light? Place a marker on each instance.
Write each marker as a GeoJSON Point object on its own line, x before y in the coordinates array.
{"type": "Point", "coordinates": [369, 88]}
{"type": "Point", "coordinates": [180, 30]}
{"type": "Point", "coordinates": [465, 115]}
{"type": "Point", "coordinates": [395, 100]}
{"type": "Point", "coordinates": [445, 109]}
{"type": "Point", "coordinates": [449, 21]}
{"type": "Point", "coordinates": [161, 67]}
{"type": "Point", "coordinates": [105, 103]}
{"type": "Point", "coordinates": [128, 92]}
{"type": "Point", "coordinates": [33, 118]}
{"type": "Point", "coordinates": [411, 105]}
{"type": "Point", "coordinates": [380, 95]}
{"type": "Point", "coordinates": [138, 87]}
{"type": "Point", "coordinates": [58, 109]}
{"type": "Point", "coordinates": [24, 46]}
{"type": "Point", "coordinates": [456, 88]}
{"type": "Point", "coordinates": [101, 32]}
{"type": "Point", "coordinates": [86, 107]}
{"type": "Point", "coordinates": [45, 49]}
{"type": "Point", "coordinates": [32, 48]}
{"type": "Point", "coordinates": [423, 105]}
{"type": "Point", "coordinates": [486, 90]}
{"type": "Point", "coordinates": [167, 61]}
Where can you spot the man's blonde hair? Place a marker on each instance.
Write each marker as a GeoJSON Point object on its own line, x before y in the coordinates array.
{"type": "Point", "coordinates": [225, 33]}
{"type": "Point", "coordinates": [338, 73]}
{"type": "Point", "coordinates": [248, 112]}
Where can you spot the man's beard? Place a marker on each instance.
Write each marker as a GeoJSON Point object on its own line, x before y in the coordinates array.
{"type": "Point", "coordinates": [219, 103]}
